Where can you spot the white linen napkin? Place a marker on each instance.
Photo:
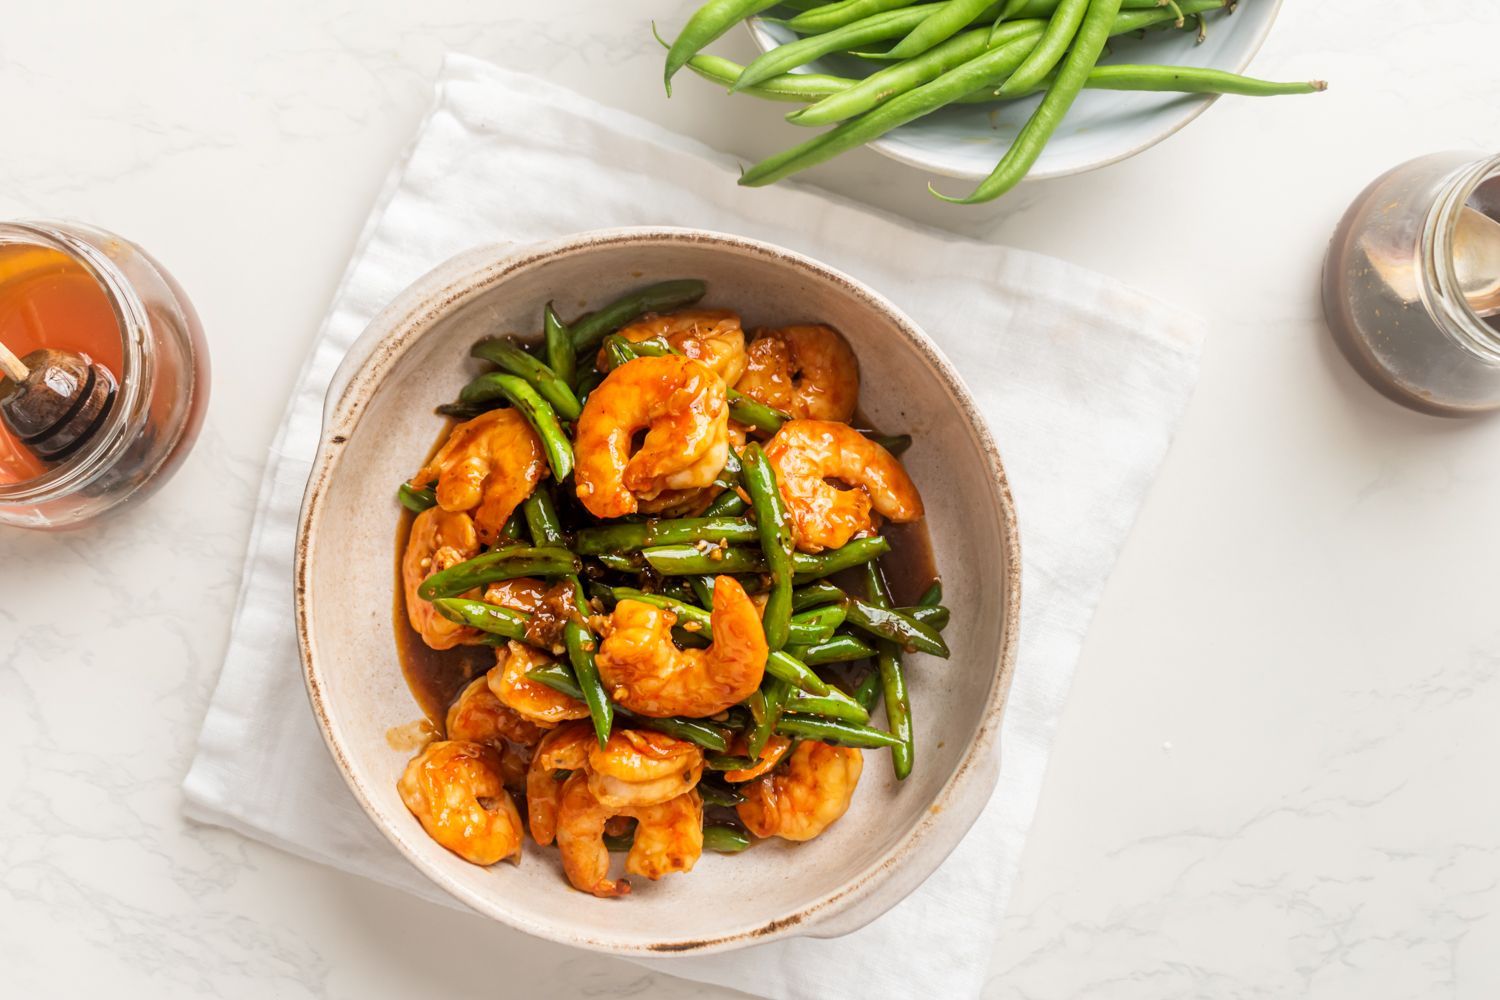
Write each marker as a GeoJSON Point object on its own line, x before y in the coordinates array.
{"type": "Point", "coordinates": [1082, 380]}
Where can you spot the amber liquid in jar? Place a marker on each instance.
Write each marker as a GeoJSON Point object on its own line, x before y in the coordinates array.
{"type": "Point", "coordinates": [47, 299]}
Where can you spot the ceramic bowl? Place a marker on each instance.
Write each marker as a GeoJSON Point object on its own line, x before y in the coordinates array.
{"type": "Point", "coordinates": [1101, 128]}
{"type": "Point", "coordinates": [379, 423]}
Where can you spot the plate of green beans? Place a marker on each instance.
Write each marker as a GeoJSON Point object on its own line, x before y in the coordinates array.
{"type": "Point", "coordinates": [994, 92]}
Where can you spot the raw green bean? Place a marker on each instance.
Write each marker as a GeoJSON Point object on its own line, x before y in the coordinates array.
{"type": "Point", "coordinates": [875, 28]}
{"type": "Point", "coordinates": [660, 297]}
{"type": "Point", "coordinates": [547, 383]}
{"type": "Point", "coordinates": [815, 625]}
{"type": "Point", "coordinates": [839, 649]}
{"type": "Point", "coordinates": [416, 498]}
{"type": "Point", "coordinates": [1093, 33]}
{"type": "Point", "coordinates": [538, 412]}
{"type": "Point", "coordinates": [942, 24]}
{"type": "Point", "coordinates": [724, 839]}
{"type": "Point", "coordinates": [773, 695]}
{"type": "Point", "coordinates": [708, 23]}
{"type": "Point", "coordinates": [642, 534]}
{"type": "Point", "coordinates": [504, 563]}
{"type": "Point", "coordinates": [893, 687]}
{"type": "Point", "coordinates": [887, 623]}
{"type": "Point", "coordinates": [706, 735]}
{"type": "Point", "coordinates": [848, 734]}
{"type": "Point", "coordinates": [1049, 48]}
{"type": "Point", "coordinates": [541, 517]}
{"type": "Point", "coordinates": [1193, 80]}
{"type": "Point", "coordinates": [836, 15]}
{"type": "Point", "coordinates": [800, 87]}
{"type": "Point", "coordinates": [561, 356]}
{"type": "Point", "coordinates": [581, 645]}
{"type": "Point", "coordinates": [814, 594]}
{"type": "Point", "coordinates": [715, 794]}
{"type": "Point", "coordinates": [835, 705]}
{"type": "Point", "coordinates": [774, 526]}
{"type": "Point", "coordinates": [491, 618]}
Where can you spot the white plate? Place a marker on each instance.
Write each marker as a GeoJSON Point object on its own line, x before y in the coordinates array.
{"type": "Point", "coordinates": [1101, 128]}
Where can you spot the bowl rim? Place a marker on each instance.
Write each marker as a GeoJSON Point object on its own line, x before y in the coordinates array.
{"type": "Point", "coordinates": [903, 151]}
{"type": "Point", "coordinates": [457, 280]}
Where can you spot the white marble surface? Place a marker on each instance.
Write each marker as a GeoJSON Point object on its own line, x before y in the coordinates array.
{"type": "Point", "coordinates": [1275, 777]}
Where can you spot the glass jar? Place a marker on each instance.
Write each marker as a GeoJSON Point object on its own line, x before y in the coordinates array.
{"type": "Point", "coordinates": [1391, 291]}
{"type": "Point", "coordinates": [162, 383]}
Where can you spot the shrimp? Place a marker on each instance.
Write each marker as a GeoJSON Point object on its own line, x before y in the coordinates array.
{"type": "Point", "coordinates": [644, 671]}
{"type": "Point", "coordinates": [806, 797]}
{"type": "Point", "coordinates": [438, 539]}
{"type": "Point", "coordinates": [808, 371]}
{"type": "Point", "coordinates": [712, 336]}
{"type": "Point", "coordinates": [455, 791]}
{"type": "Point", "coordinates": [565, 748]}
{"type": "Point", "coordinates": [477, 716]}
{"type": "Point", "coordinates": [491, 463]}
{"type": "Point", "coordinates": [770, 755]}
{"type": "Point", "coordinates": [807, 454]}
{"type": "Point", "coordinates": [680, 404]}
{"type": "Point", "coordinates": [638, 767]}
{"type": "Point", "coordinates": [668, 837]}
{"type": "Point", "coordinates": [532, 700]}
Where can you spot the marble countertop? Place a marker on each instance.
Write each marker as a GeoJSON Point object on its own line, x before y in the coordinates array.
{"type": "Point", "coordinates": [1275, 774]}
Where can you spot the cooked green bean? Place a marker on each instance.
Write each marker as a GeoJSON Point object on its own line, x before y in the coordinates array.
{"type": "Point", "coordinates": [724, 839]}
{"type": "Point", "coordinates": [942, 24]}
{"type": "Point", "coordinates": [581, 645]}
{"type": "Point", "coordinates": [708, 23]}
{"type": "Point", "coordinates": [783, 665]}
{"type": "Point", "coordinates": [755, 413]}
{"type": "Point", "coordinates": [504, 563]}
{"type": "Point", "coordinates": [884, 622]}
{"type": "Point", "coordinates": [661, 297]}
{"type": "Point", "coordinates": [624, 562]}
{"type": "Point", "coordinates": [933, 595]}
{"type": "Point", "coordinates": [928, 614]}
{"type": "Point", "coordinates": [814, 594]}
{"type": "Point", "coordinates": [629, 537]}
{"type": "Point", "coordinates": [836, 15]}
{"type": "Point", "coordinates": [839, 649]}
{"type": "Point", "coordinates": [1049, 48]}
{"type": "Point", "coordinates": [562, 358]}
{"type": "Point", "coordinates": [689, 560]}
{"type": "Point", "coordinates": [868, 692]}
{"type": "Point", "coordinates": [514, 525]}
{"type": "Point", "coordinates": [491, 618]}
{"type": "Point", "coordinates": [836, 732]}
{"type": "Point", "coordinates": [893, 443]}
{"type": "Point", "coordinates": [773, 695]}
{"type": "Point", "coordinates": [541, 517]}
{"type": "Point", "coordinates": [416, 498]}
{"type": "Point", "coordinates": [816, 625]}
{"type": "Point", "coordinates": [834, 705]}
{"type": "Point", "coordinates": [547, 383]}
{"type": "Point", "coordinates": [774, 526]}
{"type": "Point", "coordinates": [855, 553]}
{"type": "Point", "coordinates": [1018, 160]}
{"type": "Point", "coordinates": [728, 762]}
{"type": "Point", "coordinates": [538, 412]}
{"type": "Point", "coordinates": [892, 675]}
{"type": "Point", "coordinates": [875, 28]}
{"type": "Point", "coordinates": [722, 796]}
{"type": "Point", "coordinates": [703, 590]}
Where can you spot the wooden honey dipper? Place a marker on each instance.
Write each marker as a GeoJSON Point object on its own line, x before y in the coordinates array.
{"type": "Point", "coordinates": [53, 401]}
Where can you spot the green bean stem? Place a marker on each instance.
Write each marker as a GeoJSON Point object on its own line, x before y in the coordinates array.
{"type": "Point", "coordinates": [562, 358]}
{"type": "Point", "coordinates": [491, 618]}
{"type": "Point", "coordinates": [547, 383]}
{"type": "Point", "coordinates": [836, 732]}
{"type": "Point", "coordinates": [643, 534]}
{"type": "Point", "coordinates": [708, 23]}
{"type": "Point", "coordinates": [540, 414]}
{"type": "Point", "coordinates": [416, 498]}
{"type": "Point", "coordinates": [660, 297]}
{"type": "Point", "coordinates": [774, 526]}
{"type": "Point", "coordinates": [505, 563]}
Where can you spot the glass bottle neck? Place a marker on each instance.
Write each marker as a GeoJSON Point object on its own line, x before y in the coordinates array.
{"type": "Point", "coordinates": [1440, 288]}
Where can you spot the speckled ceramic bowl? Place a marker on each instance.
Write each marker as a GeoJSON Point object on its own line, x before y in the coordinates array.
{"type": "Point", "coordinates": [1102, 127]}
{"type": "Point", "coordinates": [378, 423]}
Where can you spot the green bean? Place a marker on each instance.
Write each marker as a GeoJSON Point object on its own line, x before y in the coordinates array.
{"type": "Point", "coordinates": [1193, 80]}
{"type": "Point", "coordinates": [875, 28]}
{"type": "Point", "coordinates": [547, 383]}
{"type": "Point", "coordinates": [581, 645]}
{"type": "Point", "coordinates": [728, 762]}
{"type": "Point", "coordinates": [710, 737]}
{"type": "Point", "coordinates": [868, 692]}
{"type": "Point", "coordinates": [855, 553]}
{"type": "Point", "coordinates": [514, 525]}
{"type": "Point", "coordinates": [808, 628]}
{"type": "Point", "coordinates": [932, 596]}
{"type": "Point", "coordinates": [774, 525]}
{"type": "Point", "coordinates": [504, 563]}
{"type": "Point", "coordinates": [708, 23]}
{"type": "Point", "coordinates": [958, 84]}
{"type": "Point", "coordinates": [773, 695]}
{"type": "Point", "coordinates": [729, 476]}
{"type": "Point", "coordinates": [491, 618]}
{"type": "Point", "coordinates": [617, 351]}
{"type": "Point", "coordinates": [715, 794]}
{"type": "Point", "coordinates": [541, 517]}
{"type": "Point", "coordinates": [562, 358]}
{"type": "Point", "coordinates": [587, 382]}
{"type": "Point", "coordinates": [537, 411]}
{"type": "Point", "coordinates": [839, 649]}
{"type": "Point", "coordinates": [928, 614]}
{"type": "Point", "coordinates": [703, 590]}
{"type": "Point", "coordinates": [783, 665]}
{"type": "Point", "coordinates": [942, 24]}
{"type": "Point", "coordinates": [642, 534]}
{"type": "Point", "coordinates": [799, 87]}
{"type": "Point", "coordinates": [1049, 48]}
{"type": "Point", "coordinates": [814, 594]}
{"type": "Point", "coordinates": [893, 687]}
{"type": "Point", "coordinates": [624, 562]}
{"type": "Point", "coordinates": [883, 622]}
{"type": "Point", "coordinates": [815, 625]}
{"type": "Point", "coordinates": [689, 560]}
{"type": "Point", "coordinates": [727, 504]}
{"type": "Point", "coordinates": [724, 839]}
{"type": "Point", "coordinates": [834, 705]}
{"type": "Point", "coordinates": [755, 413]}
{"type": "Point", "coordinates": [838, 733]}
{"type": "Point", "coordinates": [416, 498]}
{"type": "Point", "coordinates": [1093, 33]}
{"type": "Point", "coordinates": [836, 15]}
{"type": "Point", "coordinates": [660, 297]}
{"type": "Point", "coordinates": [467, 411]}
{"type": "Point", "coordinates": [893, 443]}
